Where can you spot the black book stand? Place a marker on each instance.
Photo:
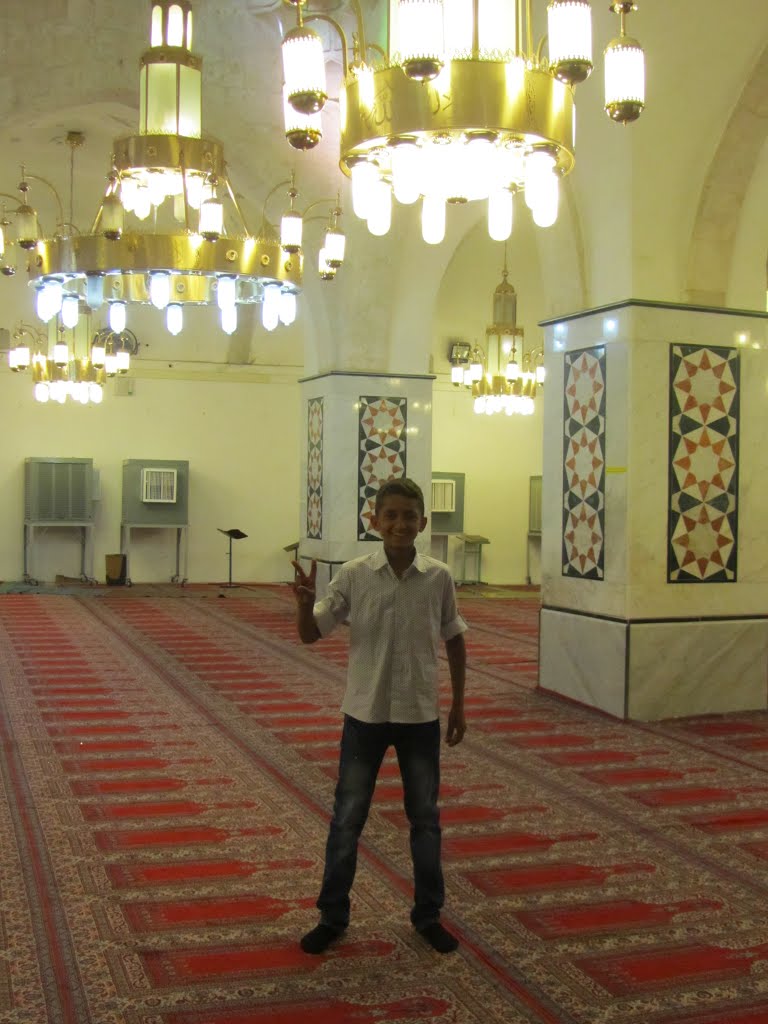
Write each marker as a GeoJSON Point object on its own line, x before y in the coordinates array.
{"type": "Point", "coordinates": [233, 535]}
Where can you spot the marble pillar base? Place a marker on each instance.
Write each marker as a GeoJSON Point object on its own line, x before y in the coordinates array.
{"type": "Point", "coordinates": [646, 671]}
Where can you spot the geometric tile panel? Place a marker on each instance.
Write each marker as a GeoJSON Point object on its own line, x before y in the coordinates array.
{"type": "Point", "coordinates": [584, 464]}
{"type": "Point", "coordinates": [315, 468]}
{"type": "Point", "coordinates": [702, 533]}
{"type": "Point", "coordinates": [382, 450]}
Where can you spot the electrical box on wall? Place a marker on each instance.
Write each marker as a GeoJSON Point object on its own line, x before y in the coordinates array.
{"type": "Point", "coordinates": [58, 491]}
{"type": "Point", "coordinates": [155, 492]}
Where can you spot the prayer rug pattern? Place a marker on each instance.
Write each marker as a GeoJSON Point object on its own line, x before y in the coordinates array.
{"type": "Point", "coordinates": [168, 770]}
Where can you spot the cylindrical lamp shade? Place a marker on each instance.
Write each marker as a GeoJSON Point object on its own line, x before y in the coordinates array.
{"type": "Point", "coordinates": [112, 217]}
{"type": "Point", "coordinates": [229, 319]}
{"type": "Point", "coordinates": [539, 170]}
{"type": "Point", "coordinates": [546, 202]}
{"type": "Point", "coordinates": [42, 391]}
{"type": "Point", "coordinates": [170, 97]}
{"type": "Point", "coordinates": [226, 292]}
{"type": "Point", "coordinates": [60, 354]}
{"type": "Point", "coordinates": [570, 39]}
{"type": "Point", "coordinates": [27, 232]}
{"type": "Point", "coordinates": [304, 70]}
{"type": "Point", "coordinates": [335, 244]}
{"type": "Point", "coordinates": [123, 360]}
{"type": "Point", "coordinates": [624, 79]}
{"type": "Point", "coordinates": [98, 355]}
{"type": "Point", "coordinates": [421, 42]}
{"type": "Point", "coordinates": [495, 30]}
{"type": "Point", "coordinates": [70, 310]}
{"type": "Point", "coordinates": [211, 224]}
{"type": "Point", "coordinates": [96, 393]}
{"type": "Point", "coordinates": [291, 230]}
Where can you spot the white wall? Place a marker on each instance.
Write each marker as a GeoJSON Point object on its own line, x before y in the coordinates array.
{"type": "Point", "coordinates": [242, 443]}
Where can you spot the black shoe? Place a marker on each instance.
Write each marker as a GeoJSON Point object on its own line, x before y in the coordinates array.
{"type": "Point", "coordinates": [320, 938]}
{"type": "Point", "coordinates": [439, 938]}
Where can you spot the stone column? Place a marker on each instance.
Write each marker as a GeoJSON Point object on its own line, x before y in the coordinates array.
{"type": "Point", "coordinates": [655, 493]}
{"type": "Point", "coordinates": [360, 429]}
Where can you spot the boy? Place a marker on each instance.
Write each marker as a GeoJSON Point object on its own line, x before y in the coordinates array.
{"type": "Point", "coordinates": [399, 605]}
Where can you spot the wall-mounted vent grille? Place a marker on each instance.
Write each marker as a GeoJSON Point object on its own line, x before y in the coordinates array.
{"type": "Point", "coordinates": [443, 496]}
{"type": "Point", "coordinates": [58, 490]}
{"type": "Point", "coordinates": [159, 485]}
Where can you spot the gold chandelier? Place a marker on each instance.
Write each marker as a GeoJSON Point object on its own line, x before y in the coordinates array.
{"type": "Point", "coordinates": [69, 362]}
{"type": "Point", "coordinates": [460, 106]}
{"type": "Point", "coordinates": [169, 230]}
{"type": "Point", "coordinates": [499, 380]}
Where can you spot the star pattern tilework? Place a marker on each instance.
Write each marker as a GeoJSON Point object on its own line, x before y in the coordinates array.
{"type": "Point", "coordinates": [315, 468]}
{"type": "Point", "coordinates": [584, 464]}
{"type": "Point", "coordinates": [382, 453]}
{"type": "Point", "coordinates": [703, 464]}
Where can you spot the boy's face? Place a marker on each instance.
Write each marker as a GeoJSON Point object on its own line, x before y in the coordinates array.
{"type": "Point", "coordinates": [399, 521]}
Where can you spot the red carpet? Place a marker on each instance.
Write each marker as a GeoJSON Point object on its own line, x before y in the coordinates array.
{"type": "Point", "coordinates": [168, 766]}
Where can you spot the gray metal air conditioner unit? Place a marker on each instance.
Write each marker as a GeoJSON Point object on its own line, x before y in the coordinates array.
{"type": "Point", "coordinates": [58, 491]}
{"type": "Point", "coordinates": [155, 492]}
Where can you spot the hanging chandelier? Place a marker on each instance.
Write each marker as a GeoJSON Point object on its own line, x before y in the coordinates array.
{"type": "Point", "coordinates": [67, 361]}
{"type": "Point", "coordinates": [461, 106]}
{"type": "Point", "coordinates": [169, 230]}
{"type": "Point", "coordinates": [498, 380]}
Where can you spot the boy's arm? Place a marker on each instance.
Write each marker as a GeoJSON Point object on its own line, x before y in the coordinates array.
{"type": "Point", "coordinates": [304, 591]}
{"type": "Point", "coordinates": [457, 660]}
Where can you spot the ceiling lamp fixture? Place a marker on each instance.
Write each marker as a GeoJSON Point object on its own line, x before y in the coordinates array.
{"type": "Point", "coordinates": [463, 106]}
{"type": "Point", "coordinates": [292, 222]}
{"type": "Point", "coordinates": [169, 231]}
{"type": "Point", "coordinates": [67, 362]}
{"type": "Point", "coordinates": [497, 380]}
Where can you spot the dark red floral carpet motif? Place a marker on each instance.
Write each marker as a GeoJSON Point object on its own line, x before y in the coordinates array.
{"type": "Point", "coordinates": [167, 767]}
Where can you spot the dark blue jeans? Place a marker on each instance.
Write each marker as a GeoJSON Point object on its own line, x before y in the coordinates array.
{"type": "Point", "coordinates": [363, 746]}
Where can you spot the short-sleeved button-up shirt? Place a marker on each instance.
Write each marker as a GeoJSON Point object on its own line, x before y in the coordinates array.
{"type": "Point", "coordinates": [396, 626]}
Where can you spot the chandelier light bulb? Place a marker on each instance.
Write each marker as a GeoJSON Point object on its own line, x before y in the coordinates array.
{"type": "Point", "coordinates": [27, 231]}
{"type": "Point", "coordinates": [457, 374]}
{"type": "Point", "coordinates": [43, 304]}
{"type": "Point", "coordinates": [433, 218]}
{"type": "Point", "coordinates": [226, 292]}
{"type": "Point", "coordinates": [142, 206]}
{"type": "Point", "coordinates": [195, 187]}
{"type": "Point", "coordinates": [122, 360]}
{"type": "Point", "coordinates": [70, 311]}
{"type": "Point", "coordinates": [546, 202]}
{"type": "Point", "coordinates": [326, 271]}
{"type": "Point", "coordinates": [287, 308]}
{"type": "Point", "coordinates": [500, 212]}
{"type": "Point", "coordinates": [96, 393]}
{"type": "Point", "coordinates": [174, 318]}
{"type": "Point", "coordinates": [23, 357]}
{"type": "Point", "coordinates": [2, 241]}
{"type": "Point", "coordinates": [513, 370]}
{"type": "Point", "coordinates": [41, 391]}
{"type": "Point", "coordinates": [380, 208]}
{"type": "Point", "coordinates": [304, 70]}
{"type": "Point", "coordinates": [270, 307]}
{"type": "Point", "coordinates": [421, 38]}
{"type": "Point", "coordinates": [541, 374]}
{"type": "Point", "coordinates": [364, 178]}
{"type": "Point", "coordinates": [110, 364]}
{"type": "Point", "coordinates": [58, 391]}
{"type": "Point", "coordinates": [160, 289]}
{"type": "Point", "coordinates": [539, 169]}
{"type": "Point", "coordinates": [569, 24]}
{"type": "Point", "coordinates": [406, 172]}
{"type": "Point", "coordinates": [94, 291]}
{"type": "Point", "coordinates": [128, 193]}
{"type": "Point", "coordinates": [228, 319]}
{"type": "Point", "coordinates": [117, 317]}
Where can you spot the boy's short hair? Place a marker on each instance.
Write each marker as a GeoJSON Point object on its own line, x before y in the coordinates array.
{"type": "Point", "coordinates": [400, 485]}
